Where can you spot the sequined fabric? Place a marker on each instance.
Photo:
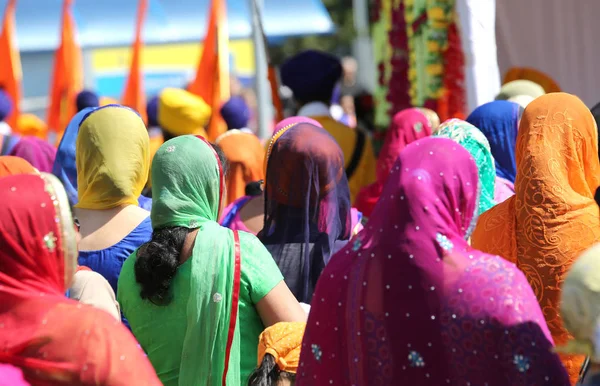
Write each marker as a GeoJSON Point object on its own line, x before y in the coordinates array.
{"type": "Point", "coordinates": [409, 302]}
{"type": "Point", "coordinates": [475, 142]}
{"type": "Point", "coordinates": [553, 216]}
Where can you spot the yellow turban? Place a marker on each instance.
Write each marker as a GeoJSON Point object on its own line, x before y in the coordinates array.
{"type": "Point", "coordinates": [112, 158]}
{"type": "Point", "coordinates": [31, 125]}
{"type": "Point", "coordinates": [181, 112]}
{"type": "Point", "coordinates": [283, 341]}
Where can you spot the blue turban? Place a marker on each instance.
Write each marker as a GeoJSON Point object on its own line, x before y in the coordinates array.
{"type": "Point", "coordinates": [87, 99]}
{"type": "Point", "coordinates": [152, 111]}
{"type": "Point", "coordinates": [6, 105]}
{"type": "Point", "coordinates": [236, 113]}
{"type": "Point", "coordinates": [311, 75]}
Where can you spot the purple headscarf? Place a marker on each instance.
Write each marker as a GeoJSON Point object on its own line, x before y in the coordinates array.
{"type": "Point", "coordinates": [307, 205]}
{"type": "Point", "coordinates": [37, 152]}
{"type": "Point", "coordinates": [409, 302]}
{"type": "Point", "coordinates": [235, 113]}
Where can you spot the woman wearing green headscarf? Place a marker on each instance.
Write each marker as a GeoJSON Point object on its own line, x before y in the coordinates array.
{"type": "Point", "coordinates": [472, 139]}
{"type": "Point", "coordinates": [197, 296]}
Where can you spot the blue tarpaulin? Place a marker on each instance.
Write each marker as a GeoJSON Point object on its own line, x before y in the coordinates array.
{"type": "Point", "coordinates": [106, 23]}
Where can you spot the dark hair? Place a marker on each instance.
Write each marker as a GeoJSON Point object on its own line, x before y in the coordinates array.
{"type": "Point", "coordinates": [166, 135]}
{"type": "Point", "coordinates": [268, 373]}
{"type": "Point", "coordinates": [254, 188]}
{"type": "Point", "coordinates": [597, 196]}
{"type": "Point", "coordinates": [222, 158]}
{"type": "Point", "coordinates": [157, 262]}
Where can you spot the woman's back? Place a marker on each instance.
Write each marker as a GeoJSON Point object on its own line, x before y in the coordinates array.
{"type": "Point", "coordinates": [307, 204]}
{"type": "Point", "coordinates": [194, 292]}
{"type": "Point", "coordinates": [112, 159]}
{"type": "Point", "coordinates": [92, 348]}
{"type": "Point", "coordinates": [53, 339]}
{"type": "Point", "coordinates": [149, 321]}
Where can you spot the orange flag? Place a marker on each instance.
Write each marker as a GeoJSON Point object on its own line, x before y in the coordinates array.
{"type": "Point", "coordinates": [10, 62]}
{"type": "Point", "coordinates": [134, 95]}
{"type": "Point", "coordinates": [67, 76]}
{"type": "Point", "coordinates": [212, 77]}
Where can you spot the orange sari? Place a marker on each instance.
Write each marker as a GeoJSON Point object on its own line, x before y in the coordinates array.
{"type": "Point", "coordinates": [553, 217]}
{"type": "Point", "coordinates": [246, 157]}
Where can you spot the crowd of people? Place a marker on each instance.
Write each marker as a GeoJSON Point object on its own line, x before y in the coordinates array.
{"type": "Point", "coordinates": [141, 253]}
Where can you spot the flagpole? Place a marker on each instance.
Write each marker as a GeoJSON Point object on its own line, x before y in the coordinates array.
{"type": "Point", "coordinates": [261, 81]}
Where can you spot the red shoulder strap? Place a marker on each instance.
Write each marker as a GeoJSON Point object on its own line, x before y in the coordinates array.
{"type": "Point", "coordinates": [235, 300]}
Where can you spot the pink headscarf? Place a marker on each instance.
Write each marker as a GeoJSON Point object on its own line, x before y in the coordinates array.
{"type": "Point", "coordinates": [39, 153]}
{"type": "Point", "coordinates": [409, 302]}
{"type": "Point", "coordinates": [11, 376]}
{"type": "Point", "coordinates": [293, 120]}
{"type": "Point", "coordinates": [407, 126]}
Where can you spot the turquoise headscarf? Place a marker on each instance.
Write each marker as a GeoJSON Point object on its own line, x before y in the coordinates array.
{"type": "Point", "coordinates": [477, 144]}
{"type": "Point", "coordinates": [186, 180]}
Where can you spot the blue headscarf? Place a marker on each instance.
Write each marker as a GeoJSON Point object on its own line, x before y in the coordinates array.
{"type": "Point", "coordinates": [152, 111]}
{"type": "Point", "coordinates": [499, 122]}
{"type": "Point", "coordinates": [6, 105]}
{"type": "Point", "coordinates": [64, 164]}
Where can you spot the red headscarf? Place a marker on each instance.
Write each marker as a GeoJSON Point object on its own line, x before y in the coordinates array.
{"type": "Point", "coordinates": [407, 126]}
{"type": "Point", "coordinates": [52, 339]}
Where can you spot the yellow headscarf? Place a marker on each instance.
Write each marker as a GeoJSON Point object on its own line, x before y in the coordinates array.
{"type": "Point", "coordinates": [283, 341]}
{"type": "Point", "coordinates": [112, 158]}
{"type": "Point", "coordinates": [181, 112]}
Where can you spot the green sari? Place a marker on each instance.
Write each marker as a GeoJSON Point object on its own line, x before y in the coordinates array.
{"type": "Point", "coordinates": [472, 139]}
{"type": "Point", "coordinates": [187, 188]}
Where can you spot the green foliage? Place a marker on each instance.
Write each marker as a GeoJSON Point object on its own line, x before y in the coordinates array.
{"type": "Point", "coordinates": [338, 43]}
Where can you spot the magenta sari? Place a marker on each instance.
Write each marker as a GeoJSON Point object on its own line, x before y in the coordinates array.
{"type": "Point", "coordinates": [408, 302]}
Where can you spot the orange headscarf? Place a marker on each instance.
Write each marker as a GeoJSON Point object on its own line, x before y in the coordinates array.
{"type": "Point", "coordinates": [283, 341]}
{"type": "Point", "coordinates": [10, 165]}
{"type": "Point", "coordinates": [246, 157]}
{"type": "Point", "coordinates": [552, 217]}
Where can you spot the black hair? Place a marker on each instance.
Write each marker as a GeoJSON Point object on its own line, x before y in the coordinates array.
{"type": "Point", "coordinates": [254, 188]}
{"type": "Point", "coordinates": [597, 196]}
{"type": "Point", "coordinates": [268, 373]}
{"type": "Point", "coordinates": [166, 135]}
{"type": "Point", "coordinates": [157, 262]}
{"type": "Point", "coordinates": [222, 158]}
